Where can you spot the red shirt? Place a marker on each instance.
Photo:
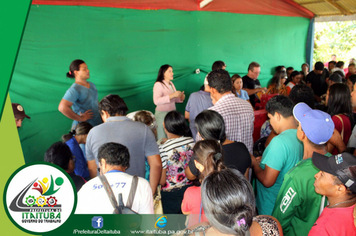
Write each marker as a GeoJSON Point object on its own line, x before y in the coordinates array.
{"type": "Point", "coordinates": [339, 126]}
{"type": "Point", "coordinates": [335, 221]}
{"type": "Point", "coordinates": [191, 203]}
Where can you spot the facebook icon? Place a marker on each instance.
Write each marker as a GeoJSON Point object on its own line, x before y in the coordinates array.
{"type": "Point", "coordinates": [97, 222]}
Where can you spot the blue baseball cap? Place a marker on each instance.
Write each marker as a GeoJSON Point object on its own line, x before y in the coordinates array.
{"type": "Point", "coordinates": [317, 125]}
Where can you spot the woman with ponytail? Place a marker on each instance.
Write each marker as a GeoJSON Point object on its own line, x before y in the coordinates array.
{"type": "Point", "coordinates": [175, 154]}
{"type": "Point", "coordinates": [207, 158]}
{"type": "Point", "coordinates": [80, 102]}
{"type": "Point", "coordinates": [229, 204]}
{"type": "Point", "coordinates": [211, 125]}
{"type": "Point", "coordinates": [73, 139]}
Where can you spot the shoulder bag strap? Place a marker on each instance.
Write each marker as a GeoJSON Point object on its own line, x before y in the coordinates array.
{"type": "Point", "coordinates": [342, 122]}
{"type": "Point", "coordinates": [109, 192]}
{"type": "Point", "coordinates": [322, 205]}
{"type": "Point", "coordinates": [200, 211]}
{"type": "Point", "coordinates": [131, 197]}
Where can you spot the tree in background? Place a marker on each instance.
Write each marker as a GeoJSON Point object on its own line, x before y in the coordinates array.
{"type": "Point", "coordinates": [335, 38]}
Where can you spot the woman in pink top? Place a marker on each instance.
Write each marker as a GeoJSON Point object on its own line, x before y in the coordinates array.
{"type": "Point", "coordinates": [207, 158]}
{"type": "Point", "coordinates": [165, 97]}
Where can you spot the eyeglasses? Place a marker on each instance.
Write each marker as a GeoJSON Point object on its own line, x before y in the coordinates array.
{"type": "Point", "coordinates": [73, 158]}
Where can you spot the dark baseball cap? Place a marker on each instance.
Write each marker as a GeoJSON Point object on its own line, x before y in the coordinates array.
{"type": "Point", "coordinates": [19, 112]}
{"type": "Point", "coordinates": [335, 77]}
{"type": "Point", "coordinates": [335, 165]}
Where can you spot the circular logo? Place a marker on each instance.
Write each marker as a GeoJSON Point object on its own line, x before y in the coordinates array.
{"type": "Point", "coordinates": [19, 107]}
{"type": "Point", "coordinates": [161, 222]}
{"type": "Point", "coordinates": [39, 197]}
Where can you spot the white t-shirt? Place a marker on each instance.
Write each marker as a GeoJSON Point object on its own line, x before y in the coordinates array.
{"type": "Point", "coordinates": [92, 198]}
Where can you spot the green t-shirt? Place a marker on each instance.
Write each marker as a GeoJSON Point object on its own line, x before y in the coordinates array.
{"type": "Point", "coordinates": [297, 206]}
{"type": "Point", "coordinates": [282, 154]}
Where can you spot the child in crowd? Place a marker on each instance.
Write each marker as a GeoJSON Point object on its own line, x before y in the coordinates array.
{"type": "Point", "coordinates": [207, 158]}
{"type": "Point", "coordinates": [148, 119]}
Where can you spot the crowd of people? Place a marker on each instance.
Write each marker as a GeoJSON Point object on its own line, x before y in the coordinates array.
{"type": "Point", "coordinates": [203, 163]}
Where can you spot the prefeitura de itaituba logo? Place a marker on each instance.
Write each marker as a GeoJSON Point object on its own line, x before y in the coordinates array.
{"type": "Point", "coordinates": [39, 208]}
{"type": "Point", "coordinates": [46, 200]}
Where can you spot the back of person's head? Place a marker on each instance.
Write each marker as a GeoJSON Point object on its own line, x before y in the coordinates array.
{"type": "Point", "coordinates": [352, 78]}
{"type": "Point", "coordinates": [174, 123]}
{"type": "Point", "coordinates": [218, 65]}
{"type": "Point", "coordinates": [228, 201]}
{"type": "Point", "coordinates": [317, 125]}
{"type": "Point", "coordinates": [340, 64]}
{"type": "Point", "coordinates": [319, 66]}
{"type": "Point", "coordinates": [114, 154]}
{"type": "Point", "coordinates": [114, 105]}
{"type": "Point", "coordinates": [252, 65]}
{"type": "Point", "coordinates": [210, 125]}
{"type": "Point", "coordinates": [280, 68]}
{"type": "Point", "coordinates": [82, 128]}
{"type": "Point", "coordinates": [302, 93]}
{"type": "Point", "coordinates": [74, 66]}
{"type": "Point", "coordinates": [281, 104]}
{"type": "Point", "coordinates": [162, 70]}
{"type": "Point", "coordinates": [59, 154]}
{"type": "Point", "coordinates": [220, 80]}
{"type": "Point", "coordinates": [338, 72]}
{"type": "Point", "coordinates": [209, 153]}
{"type": "Point", "coordinates": [339, 101]}
{"type": "Point", "coordinates": [290, 68]}
{"type": "Point", "coordinates": [348, 173]}
{"type": "Point", "coordinates": [146, 118]}
{"type": "Point", "coordinates": [335, 77]}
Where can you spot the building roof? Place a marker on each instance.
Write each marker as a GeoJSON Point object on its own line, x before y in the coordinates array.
{"type": "Point", "coordinates": [329, 7]}
{"type": "Point", "coordinates": [302, 8]}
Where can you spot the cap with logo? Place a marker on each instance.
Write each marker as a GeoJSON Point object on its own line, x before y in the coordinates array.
{"type": "Point", "coordinates": [19, 112]}
{"type": "Point", "coordinates": [334, 166]}
{"type": "Point", "coordinates": [317, 125]}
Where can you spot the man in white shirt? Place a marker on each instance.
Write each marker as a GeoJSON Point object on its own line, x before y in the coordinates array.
{"type": "Point", "coordinates": [114, 159]}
